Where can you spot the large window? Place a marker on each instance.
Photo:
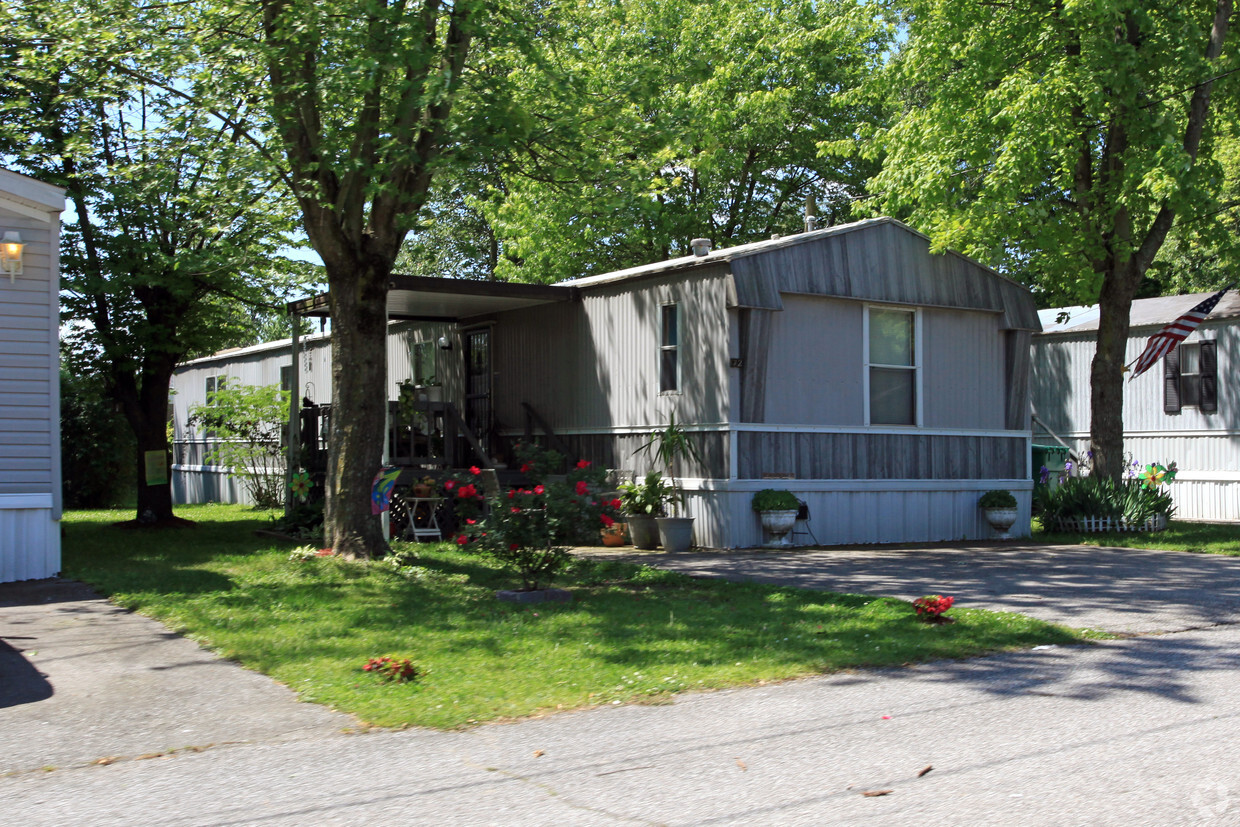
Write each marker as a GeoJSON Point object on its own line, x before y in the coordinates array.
{"type": "Point", "coordinates": [422, 355]}
{"type": "Point", "coordinates": [669, 349]}
{"type": "Point", "coordinates": [892, 366]}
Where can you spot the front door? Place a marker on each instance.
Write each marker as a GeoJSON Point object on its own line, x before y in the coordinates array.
{"type": "Point", "coordinates": [478, 386]}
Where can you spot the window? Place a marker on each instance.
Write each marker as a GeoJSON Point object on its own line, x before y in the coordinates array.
{"type": "Point", "coordinates": [892, 366]}
{"type": "Point", "coordinates": [1190, 377]}
{"type": "Point", "coordinates": [286, 378]}
{"type": "Point", "coordinates": [214, 383]}
{"type": "Point", "coordinates": [669, 349]}
{"type": "Point", "coordinates": [422, 357]}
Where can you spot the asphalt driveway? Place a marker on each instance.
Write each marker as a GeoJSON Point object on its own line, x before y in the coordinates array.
{"type": "Point", "coordinates": [1119, 590]}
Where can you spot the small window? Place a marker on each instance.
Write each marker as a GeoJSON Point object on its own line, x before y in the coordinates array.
{"type": "Point", "coordinates": [892, 366]}
{"type": "Point", "coordinates": [1190, 377]}
{"type": "Point", "coordinates": [669, 349]}
{"type": "Point", "coordinates": [214, 384]}
{"type": "Point", "coordinates": [286, 378]}
{"type": "Point", "coordinates": [422, 357]}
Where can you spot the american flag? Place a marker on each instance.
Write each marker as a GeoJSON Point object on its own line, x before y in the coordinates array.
{"type": "Point", "coordinates": [1160, 343]}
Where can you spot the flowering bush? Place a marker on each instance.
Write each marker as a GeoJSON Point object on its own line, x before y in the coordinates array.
{"type": "Point", "coordinates": [932, 605]}
{"type": "Point", "coordinates": [392, 669]}
{"type": "Point", "coordinates": [531, 529]}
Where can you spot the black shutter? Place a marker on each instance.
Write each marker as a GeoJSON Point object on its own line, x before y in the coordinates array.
{"type": "Point", "coordinates": [1209, 377]}
{"type": "Point", "coordinates": [1171, 381]}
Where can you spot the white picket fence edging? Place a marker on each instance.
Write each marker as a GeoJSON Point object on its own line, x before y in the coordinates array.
{"type": "Point", "coordinates": [1101, 525]}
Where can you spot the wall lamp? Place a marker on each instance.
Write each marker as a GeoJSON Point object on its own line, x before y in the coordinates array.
{"type": "Point", "coordinates": [11, 255]}
{"type": "Point", "coordinates": [445, 343]}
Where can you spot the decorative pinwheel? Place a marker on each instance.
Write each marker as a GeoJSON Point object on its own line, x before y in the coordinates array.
{"type": "Point", "coordinates": [300, 485]}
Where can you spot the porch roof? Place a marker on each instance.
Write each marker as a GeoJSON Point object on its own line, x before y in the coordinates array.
{"type": "Point", "coordinates": [431, 299]}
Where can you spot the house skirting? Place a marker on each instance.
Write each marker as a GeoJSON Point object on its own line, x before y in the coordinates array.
{"type": "Point", "coordinates": [29, 537]}
{"type": "Point", "coordinates": [193, 484]}
{"type": "Point", "coordinates": [846, 512]}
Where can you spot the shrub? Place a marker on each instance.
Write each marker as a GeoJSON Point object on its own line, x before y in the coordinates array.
{"type": "Point", "coordinates": [249, 420]}
{"type": "Point", "coordinates": [1129, 500]}
{"type": "Point", "coordinates": [774, 499]}
{"type": "Point", "coordinates": [998, 498]}
{"type": "Point", "coordinates": [531, 529]}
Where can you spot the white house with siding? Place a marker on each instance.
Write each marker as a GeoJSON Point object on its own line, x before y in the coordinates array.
{"type": "Point", "coordinates": [885, 386]}
{"type": "Point", "coordinates": [1182, 410]}
{"type": "Point", "coordinates": [30, 497]}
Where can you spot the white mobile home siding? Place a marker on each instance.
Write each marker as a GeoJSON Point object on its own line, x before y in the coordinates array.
{"type": "Point", "coordinates": [1205, 446]}
{"type": "Point", "coordinates": [30, 491]}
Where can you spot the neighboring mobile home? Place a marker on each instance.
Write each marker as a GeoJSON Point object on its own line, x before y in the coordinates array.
{"type": "Point", "coordinates": [887, 387]}
{"type": "Point", "coordinates": [1181, 410]}
{"type": "Point", "coordinates": [30, 498]}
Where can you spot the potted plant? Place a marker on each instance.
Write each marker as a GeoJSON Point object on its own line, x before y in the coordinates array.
{"type": "Point", "coordinates": [999, 507]}
{"type": "Point", "coordinates": [642, 503]}
{"type": "Point", "coordinates": [670, 445]}
{"type": "Point", "coordinates": [778, 509]}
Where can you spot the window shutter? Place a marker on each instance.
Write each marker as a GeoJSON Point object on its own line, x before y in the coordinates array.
{"type": "Point", "coordinates": [1171, 381]}
{"type": "Point", "coordinates": [1209, 376]}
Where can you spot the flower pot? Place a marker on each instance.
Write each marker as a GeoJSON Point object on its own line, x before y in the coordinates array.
{"type": "Point", "coordinates": [613, 535]}
{"type": "Point", "coordinates": [643, 531]}
{"type": "Point", "coordinates": [1001, 520]}
{"type": "Point", "coordinates": [778, 524]}
{"type": "Point", "coordinates": [675, 533]}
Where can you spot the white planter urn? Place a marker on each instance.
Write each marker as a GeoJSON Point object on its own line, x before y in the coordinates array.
{"type": "Point", "coordinates": [1001, 520]}
{"type": "Point", "coordinates": [778, 525]}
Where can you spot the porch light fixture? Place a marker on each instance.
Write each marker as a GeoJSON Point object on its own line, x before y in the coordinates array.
{"type": "Point", "coordinates": [11, 255]}
{"type": "Point", "coordinates": [445, 343]}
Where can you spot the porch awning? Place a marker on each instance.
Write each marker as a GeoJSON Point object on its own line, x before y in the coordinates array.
{"type": "Point", "coordinates": [430, 299]}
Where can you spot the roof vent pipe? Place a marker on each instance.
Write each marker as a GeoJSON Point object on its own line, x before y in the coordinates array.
{"type": "Point", "coordinates": [701, 246]}
{"type": "Point", "coordinates": [811, 214]}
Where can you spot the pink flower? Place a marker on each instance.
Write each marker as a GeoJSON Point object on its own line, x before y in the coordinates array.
{"type": "Point", "coordinates": [449, 484]}
{"type": "Point", "coordinates": [471, 520]}
{"type": "Point", "coordinates": [475, 470]}
{"type": "Point", "coordinates": [538, 489]}
{"type": "Point", "coordinates": [583, 463]}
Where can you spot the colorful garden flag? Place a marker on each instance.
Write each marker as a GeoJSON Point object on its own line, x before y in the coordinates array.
{"type": "Point", "coordinates": [381, 489]}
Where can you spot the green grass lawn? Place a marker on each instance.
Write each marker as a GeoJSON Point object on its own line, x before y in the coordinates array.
{"type": "Point", "coordinates": [1202, 538]}
{"type": "Point", "coordinates": [631, 634]}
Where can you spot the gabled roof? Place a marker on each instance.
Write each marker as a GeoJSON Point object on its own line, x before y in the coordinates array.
{"type": "Point", "coordinates": [29, 196]}
{"type": "Point", "coordinates": [1145, 312]}
{"type": "Point", "coordinates": [879, 260]}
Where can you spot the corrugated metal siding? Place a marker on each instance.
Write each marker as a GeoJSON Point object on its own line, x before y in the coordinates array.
{"type": "Point", "coordinates": [28, 364]}
{"type": "Point", "coordinates": [595, 364]}
{"type": "Point", "coordinates": [29, 543]}
{"type": "Point", "coordinates": [861, 456]}
{"type": "Point", "coordinates": [963, 381]}
{"type": "Point", "coordinates": [814, 364]}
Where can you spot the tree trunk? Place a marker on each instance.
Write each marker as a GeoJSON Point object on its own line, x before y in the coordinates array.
{"type": "Point", "coordinates": [359, 386]}
{"type": "Point", "coordinates": [145, 408]}
{"type": "Point", "coordinates": [1106, 428]}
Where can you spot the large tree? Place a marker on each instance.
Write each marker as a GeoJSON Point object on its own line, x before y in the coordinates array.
{"type": "Point", "coordinates": [1061, 142]}
{"type": "Point", "coordinates": [173, 219]}
{"type": "Point", "coordinates": [650, 123]}
{"type": "Point", "coordinates": [359, 97]}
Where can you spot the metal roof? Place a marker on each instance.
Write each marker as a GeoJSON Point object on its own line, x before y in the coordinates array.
{"type": "Point", "coordinates": [1145, 312]}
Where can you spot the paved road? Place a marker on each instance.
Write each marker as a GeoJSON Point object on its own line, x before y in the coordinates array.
{"type": "Point", "coordinates": [1133, 732]}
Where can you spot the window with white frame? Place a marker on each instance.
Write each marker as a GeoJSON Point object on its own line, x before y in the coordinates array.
{"type": "Point", "coordinates": [669, 349]}
{"type": "Point", "coordinates": [892, 370]}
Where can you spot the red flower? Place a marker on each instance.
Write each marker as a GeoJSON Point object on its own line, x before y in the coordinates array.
{"type": "Point", "coordinates": [475, 470]}
{"type": "Point", "coordinates": [538, 489]}
{"type": "Point", "coordinates": [615, 503]}
{"type": "Point", "coordinates": [582, 487]}
{"type": "Point", "coordinates": [511, 493]}
{"type": "Point", "coordinates": [449, 484]}
{"type": "Point", "coordinates": [583, 463]}
{"type": "Point", "coordinates": [513, 547]}
{"type": "Point", "coordinates": [461, 540]}
{"type": "Point", "coordinates": [470, 520]}
{"type": "Point", "coordinates": [525, 466]}
{"type": "Point", "coordinates": [515, 510]}
{"type": "Point", "coordinates": [467, 491]}
{"type": "Point", "coordinates": [607, 521]}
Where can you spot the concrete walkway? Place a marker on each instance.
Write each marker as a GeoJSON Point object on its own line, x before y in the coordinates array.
{"type": "Point", "coordinates": [107, 718]}
{"type": "Point", "coordinates": [1126, 591]}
